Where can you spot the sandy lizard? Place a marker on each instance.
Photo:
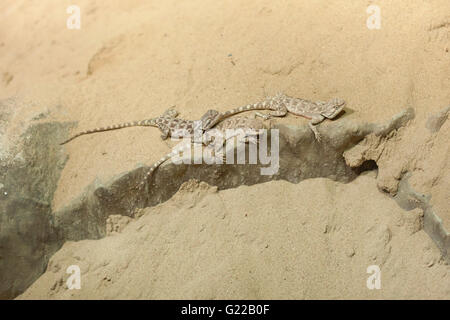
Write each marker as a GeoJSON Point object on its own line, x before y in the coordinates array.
{"type": "Point", "coordinates": [280, 104]}
{"type": "Point", "coordinates": [250, 131]}
{"type": "Point", "coordinates": [316, 112]}
{"type": "Point", "coordinates": [168, 123]}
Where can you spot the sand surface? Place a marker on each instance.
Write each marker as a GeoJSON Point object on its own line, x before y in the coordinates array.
{"type": "Point", "coordinates": [134, 59]}
{"type": "Point", "coordinates": [259, 242]}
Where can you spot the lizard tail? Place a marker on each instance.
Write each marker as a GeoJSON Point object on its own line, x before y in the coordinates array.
{"type": "Point", "coordinates": [278, 110]}
{"type": "Point", "coordinates": [158, 163]}
{"type": "Point", "coordinates": [113, 127]}
{"type": "Point", "coordinates": [154, 167]}
{"type": "Point", "coordinates": [248, 107]}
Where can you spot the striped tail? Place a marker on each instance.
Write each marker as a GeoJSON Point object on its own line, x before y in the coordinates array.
{"type": "Point", "coordinates": [157, 164]}
{"type": "Point", "coordinates": [278, 109]}
{"type": "Point", "coordinates": [149, 122]}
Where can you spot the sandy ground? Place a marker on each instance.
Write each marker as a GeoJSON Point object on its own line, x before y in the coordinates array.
{"type": "Point", "coordinates": [232, 248]}
{"type": "Point", "coordinates": [133, 59]}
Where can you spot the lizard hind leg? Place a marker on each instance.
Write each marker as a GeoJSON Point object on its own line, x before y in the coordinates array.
{"type": "Point", "coordinates": [165, 131]}
{"type": "Point", "coordinates": [263, 115]}
{"type": "Point", "coordinates": [281, 112]}
{"type": "Point", "coordinates": [170, 113]}
{"type": "Point", "coordinates": [210, 119]}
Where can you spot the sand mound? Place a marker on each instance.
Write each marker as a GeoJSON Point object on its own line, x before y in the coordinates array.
{"type": "Point", "coordinates": [270, 241]}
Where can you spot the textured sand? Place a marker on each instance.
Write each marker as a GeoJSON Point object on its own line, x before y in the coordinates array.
{"type": "Point", "coordinates": [269, 241]}
{"type": "Point", "coordinates": [133, 59]}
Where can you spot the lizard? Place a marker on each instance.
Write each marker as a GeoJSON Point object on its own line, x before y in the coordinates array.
{"type": "Point", "coordinates": [250, 131]}
{"type": "Point", "coordinates": [280, 105]}
{"type": "Point", "coordinates": [278, 109]}
{"type": "Point", "coordinates": [246, 130]}
{"type": "Point", "coordinates": [316, 112]}
{"type": "Point", "coordinates": [168, 123]}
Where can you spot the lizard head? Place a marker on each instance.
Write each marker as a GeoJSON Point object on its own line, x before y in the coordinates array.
{"type": "Point", "coordinates": [210, 119]}
{"type": "Point", "coordinates": [333, 108]}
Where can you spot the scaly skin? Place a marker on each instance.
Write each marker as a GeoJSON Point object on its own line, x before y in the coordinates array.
{"type": "Point", "coordinates": [281, 104]}
{"type": "Point", "coordinates": [250, 130]}
{"type": "Point", "coordinates": [168, 123]}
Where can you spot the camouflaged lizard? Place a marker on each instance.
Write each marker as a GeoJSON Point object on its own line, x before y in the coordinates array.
{"type": "Point", "coordinates": [280, 104]}
{"type": "Point", "coordinates": [168, 123]}
{"type": "Point", "coordinates": [249, 133]}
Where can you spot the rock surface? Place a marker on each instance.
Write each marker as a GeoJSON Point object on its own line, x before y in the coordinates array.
{"type": "Point", "coordinates": [29, 174]}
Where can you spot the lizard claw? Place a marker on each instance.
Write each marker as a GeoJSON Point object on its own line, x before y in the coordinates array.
{"type": "Point", "coordinates": [317, 136]}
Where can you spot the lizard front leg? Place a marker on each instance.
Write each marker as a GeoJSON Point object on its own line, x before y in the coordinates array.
{"type": "Point", "coordinates": [313, 125]}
